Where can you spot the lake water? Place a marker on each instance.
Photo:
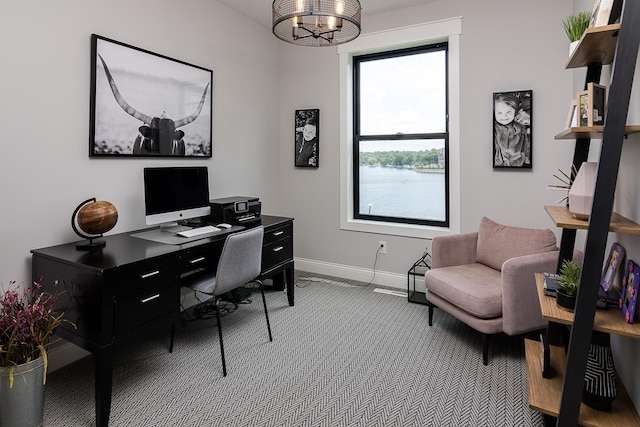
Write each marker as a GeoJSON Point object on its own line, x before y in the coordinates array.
{"type": "Point", "coordinates": [402, 193]}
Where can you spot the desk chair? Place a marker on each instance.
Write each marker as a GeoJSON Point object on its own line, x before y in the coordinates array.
{"type": "Point", "coordinates": [240, 263]}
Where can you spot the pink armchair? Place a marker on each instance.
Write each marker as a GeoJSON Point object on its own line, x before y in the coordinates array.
{"type": "Point", "coordinates": [486, 279]}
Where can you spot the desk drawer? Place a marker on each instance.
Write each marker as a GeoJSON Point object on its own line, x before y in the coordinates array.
{"type": "Point", "coordinates": [203, 257]}
{"type": "Point", "coordinates": [146, 305]}
{"type": "Point", "coordinates": [276, 234]}
{"type": "Point", "coordinates": [276, 253]}
{"type": "Point", "coordinates": [131, 279]}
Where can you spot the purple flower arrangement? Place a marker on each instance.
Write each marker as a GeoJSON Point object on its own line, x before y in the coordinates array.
{"type": "Point", "coordinates": [27, 321]}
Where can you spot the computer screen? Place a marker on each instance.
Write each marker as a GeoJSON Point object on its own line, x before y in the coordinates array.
{"type": "Point", "coordinates": [175, 193]}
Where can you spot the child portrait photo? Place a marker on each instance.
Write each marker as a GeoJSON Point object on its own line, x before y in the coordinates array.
{"type": "Point", "coordinates": [512, 118]}
{"type": "Point", "coordinates": [306, 138]}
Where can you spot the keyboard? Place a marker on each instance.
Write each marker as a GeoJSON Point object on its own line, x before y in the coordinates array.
{"type": "Point", "coordinates": [198, 231]}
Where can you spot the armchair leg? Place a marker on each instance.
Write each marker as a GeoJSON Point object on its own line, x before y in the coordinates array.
{"type": "Point", "coordinates": [485, 349]}
{"type": "Point", "coordinates": [173, 332]}
{"type": "Point", "coordinates": [430, 314]}
{"type": "Point", "coordinates": [224, 364]}
{"type": "Point", "coordinates": [266, 313]}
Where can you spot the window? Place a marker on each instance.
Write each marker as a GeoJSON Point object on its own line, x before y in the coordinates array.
{"type": "Point", "coordinates": [368, 136]}
{"type": "Point", "coordinates": [400, 138]}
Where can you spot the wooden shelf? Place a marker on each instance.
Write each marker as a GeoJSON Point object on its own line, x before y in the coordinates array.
{"type": "Point", "coordinates": [608, 320]}
{"type": "Point", "coordinates": [545, 394]}
{"type": "Point", "coordinates": [564, 219]}
{"type": "Point", "coordinates": [591, 132]}
{"type": "Point", "coordinates": [597, 44]}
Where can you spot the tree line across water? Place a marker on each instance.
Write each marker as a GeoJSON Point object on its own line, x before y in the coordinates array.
{"type": "Point", "coordinates": [426, 159]}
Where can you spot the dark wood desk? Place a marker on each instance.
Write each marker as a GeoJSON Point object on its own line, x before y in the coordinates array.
{"type": "Point", "coordinates": [132, 286]}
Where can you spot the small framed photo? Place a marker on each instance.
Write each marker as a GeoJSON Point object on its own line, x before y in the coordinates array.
{"type": "Point", "coordinates": [572, 120]}
{"type": "Point", "coordinates": [597, 101]}
{"type": "Point", "coordinates": [629, 297]}
{"type": "Point", "coordinates": [512, 129]}
{"type": "Point", "coordinates": [605, 12]}
{"type": "Point", "coordinates": [307, 138]}
{"type": "Point", "coordinates": [592, 105]}
{"type": "Point", "coordinates": [582, 102]}
{"type": "Point", "coordinates": [616, 254]}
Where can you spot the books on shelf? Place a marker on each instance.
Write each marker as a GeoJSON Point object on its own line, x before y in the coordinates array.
{"type": "Point", "coordinates": [610, 298]}
{"type": "Point", "coordinates": [551, 283]}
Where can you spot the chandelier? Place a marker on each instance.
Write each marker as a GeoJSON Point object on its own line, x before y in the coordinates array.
{"type": "Point", "coordinates": [316, 22]}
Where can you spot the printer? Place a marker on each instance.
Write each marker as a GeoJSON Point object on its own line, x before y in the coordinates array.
{"type": "Point", "coordinates": [239, 210]}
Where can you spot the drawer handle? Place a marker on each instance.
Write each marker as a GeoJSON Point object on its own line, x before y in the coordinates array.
{"type": "Point", "coordinates": [277, 233]}
{"type": "Point", "coordinates": [193, 261]}
{"type": "Point", "coordinates": [146, 300]}
{"type": "Point", "coordinates": [278, 249]}
{"type": "Point", "coordinates": [153, 273]}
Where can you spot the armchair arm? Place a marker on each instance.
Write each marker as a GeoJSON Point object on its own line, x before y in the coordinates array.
{"type": "Point", "coordinates": [520, 303]}
{"type": "Point", "coordinates": [457, 249]}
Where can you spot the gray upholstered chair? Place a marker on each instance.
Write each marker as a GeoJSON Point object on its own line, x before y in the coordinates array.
{"type": "Point", "coordinates": [486, 279]}
{"type": "Point", "coordinates": [240, 263]}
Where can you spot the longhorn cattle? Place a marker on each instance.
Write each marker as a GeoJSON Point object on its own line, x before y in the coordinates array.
{"type": "Point", "coordinates": [157, 135]}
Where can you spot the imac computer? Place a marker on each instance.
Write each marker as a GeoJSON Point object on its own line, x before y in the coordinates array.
{"type": "Point", "coordinates": [175, 194]}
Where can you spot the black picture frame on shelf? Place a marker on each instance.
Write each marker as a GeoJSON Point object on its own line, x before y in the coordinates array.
{"type": "Point", "coordinates": [307, 138]}
{"type": "Point", "coordinates": [143, 104]}
{"type": "Point", "coordinates": [512, 130]}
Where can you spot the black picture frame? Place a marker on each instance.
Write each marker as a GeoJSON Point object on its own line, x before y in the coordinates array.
{"type": "Point", "coordinates": [307, 138]}
{"type": "Point", "coordinates": [513, 130]}
{"type": "Point", "coordinates": [143, 104]}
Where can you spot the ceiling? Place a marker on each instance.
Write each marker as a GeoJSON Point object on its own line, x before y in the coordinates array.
{"type": "Point", "coordinates": [260, 10]}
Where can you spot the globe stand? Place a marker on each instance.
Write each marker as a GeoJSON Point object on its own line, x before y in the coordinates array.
{"type": "Point", "coordinates": [91, 245]}
{"type": "Point", "coordinates": [102, 217]}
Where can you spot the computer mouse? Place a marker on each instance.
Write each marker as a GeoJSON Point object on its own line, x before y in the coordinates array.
{"type": "Point", "coordinates": [224, 225]}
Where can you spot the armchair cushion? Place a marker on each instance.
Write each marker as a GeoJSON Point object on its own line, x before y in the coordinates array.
{"type": "Point", "coordinates": [498, 243]}
{"type": "Point", "coordinates": [473, 288]}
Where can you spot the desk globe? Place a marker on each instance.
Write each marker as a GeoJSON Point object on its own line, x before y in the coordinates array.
{"type": "Point", "coordinates": [94, 218]}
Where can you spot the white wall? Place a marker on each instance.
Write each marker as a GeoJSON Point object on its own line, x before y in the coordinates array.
{"type": "Point", "coordinates": [45, 170]}
{"type": "Point", "coordinates": [505, 45]}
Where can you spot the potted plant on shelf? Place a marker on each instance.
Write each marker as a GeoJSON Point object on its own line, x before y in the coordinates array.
{"type": "Point", "coordinates": [27, 322]}
{"type": "Point", "coordinates": [569, 282]}
{"type": "Point", "coordinates": [575, 25]}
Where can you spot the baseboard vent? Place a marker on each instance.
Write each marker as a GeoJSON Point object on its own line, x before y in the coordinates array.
{"type": "Point", "coordinates": [390, 292]}
{"type": "Point", "coordinates": [326, 281]}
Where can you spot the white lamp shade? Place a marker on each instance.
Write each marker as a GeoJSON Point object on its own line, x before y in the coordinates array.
{"type": "Point", "coordinates": [581, 192]}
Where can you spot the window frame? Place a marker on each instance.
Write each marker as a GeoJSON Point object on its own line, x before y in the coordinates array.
{"type": "Point", "coordinates": [448, 30]}
{"type": "Point", "coordinates": [358, 136]}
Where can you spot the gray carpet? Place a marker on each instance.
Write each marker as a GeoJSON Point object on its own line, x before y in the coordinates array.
{"type": "Point", "coordinates": [342, 356]}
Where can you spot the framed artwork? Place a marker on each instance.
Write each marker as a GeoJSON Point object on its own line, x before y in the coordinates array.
{"type": "Point", "coordinates": [616, 254]}
{"type": "Point", "coordinates": [147, 105]}
{"type": "Point", "coordinates": [629, 297]}
{"type": "Point", "coordinates": [512, 125]}
{"type": "Point", "coordinates": [307, 138]}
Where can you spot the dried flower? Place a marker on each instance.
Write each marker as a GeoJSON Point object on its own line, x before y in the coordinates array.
{"type": "Point", "coordinates": [28, 319]}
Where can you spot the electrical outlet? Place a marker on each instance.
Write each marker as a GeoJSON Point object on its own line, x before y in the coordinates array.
{"type": "Point", "coordinates": [383, 247]}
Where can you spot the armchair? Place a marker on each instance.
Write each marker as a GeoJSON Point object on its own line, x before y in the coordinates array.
{"type": "Point", "coordinates": [486, 279]}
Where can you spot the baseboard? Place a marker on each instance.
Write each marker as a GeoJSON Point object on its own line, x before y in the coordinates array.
{"type": "Point", "coordinates": [382, 278]}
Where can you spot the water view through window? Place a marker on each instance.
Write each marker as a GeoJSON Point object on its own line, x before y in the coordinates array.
{"type": "Point", "coordinates": [403, 179]}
